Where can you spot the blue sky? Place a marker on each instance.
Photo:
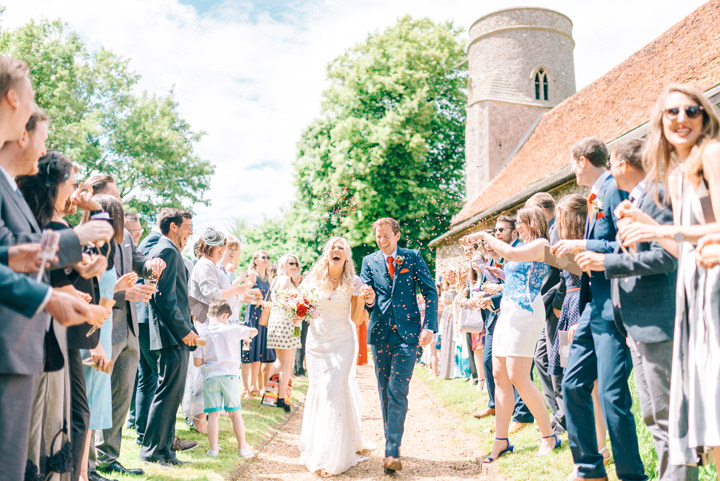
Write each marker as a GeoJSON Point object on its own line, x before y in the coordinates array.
{"type": "Point", "coordinates": [250, 73]}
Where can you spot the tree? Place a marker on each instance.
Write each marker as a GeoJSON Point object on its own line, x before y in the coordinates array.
{"type": "Point", "coordinates": [390, 141]}
{"type": "Point", "coordinates": [99, 121]}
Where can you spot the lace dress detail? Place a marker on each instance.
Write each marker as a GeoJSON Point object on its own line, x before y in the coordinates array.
{"type": "Point", "coordinates": [330, 436]}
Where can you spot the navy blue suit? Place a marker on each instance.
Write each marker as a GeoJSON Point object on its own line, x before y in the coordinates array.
{"type": "Point", "coordinates": [599, 351]}
{"type": "Point", "coordinates": [394, 330]}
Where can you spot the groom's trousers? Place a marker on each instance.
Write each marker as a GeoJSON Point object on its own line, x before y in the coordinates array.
{"type": "Point", "coordinates": [394, 364]}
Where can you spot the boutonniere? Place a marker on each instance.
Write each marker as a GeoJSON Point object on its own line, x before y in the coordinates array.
{"type": "Point", "coordinates": [399, 260]}
{"type": "Point", "coordinates": [597, 206]}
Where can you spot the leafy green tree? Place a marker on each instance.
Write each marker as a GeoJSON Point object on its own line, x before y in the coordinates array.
{"type": "Point", "coordinates": [390, 141]}
{"type": "Point", "coordinates": [99, 121]}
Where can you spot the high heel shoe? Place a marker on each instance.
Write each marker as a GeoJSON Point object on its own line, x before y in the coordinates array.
{"type": "Point", "coordinates": [558, 443]}
{"type": "Point", "coordinates": [282, 404]}
{"type": "Point", "coordinates": [508, 448]}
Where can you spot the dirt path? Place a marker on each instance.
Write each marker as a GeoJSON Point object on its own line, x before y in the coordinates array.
{"type": "Point", "coordinates": [434, 445]}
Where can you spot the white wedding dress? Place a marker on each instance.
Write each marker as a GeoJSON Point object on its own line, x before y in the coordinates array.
{"type": "Point", "coordinates": [330, 438]}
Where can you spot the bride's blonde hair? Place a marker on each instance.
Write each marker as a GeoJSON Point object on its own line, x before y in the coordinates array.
{"type": "Point", "coordinates": [320, 272]}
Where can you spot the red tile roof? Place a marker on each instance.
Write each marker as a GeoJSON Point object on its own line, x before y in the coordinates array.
{"type": "Point", "coordinates": [613, 105]}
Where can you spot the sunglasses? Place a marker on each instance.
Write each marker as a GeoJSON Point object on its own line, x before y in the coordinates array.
{"type": "Point", "coordinates": [691, 112]}
{"type": "Point", "coordinates": [294, 264]}
{"type": "Point", "coordinates": [264, 257]}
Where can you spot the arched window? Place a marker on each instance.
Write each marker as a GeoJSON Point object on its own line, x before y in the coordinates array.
{"type": "Point", "coordinates": [541, 85]}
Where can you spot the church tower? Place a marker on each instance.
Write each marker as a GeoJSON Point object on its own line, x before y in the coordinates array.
{"type": "Point", "coordinates": [520, 63]}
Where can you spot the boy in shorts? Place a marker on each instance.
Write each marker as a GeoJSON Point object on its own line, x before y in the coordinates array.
{"type": "Point", "coordinates": [222, 389]}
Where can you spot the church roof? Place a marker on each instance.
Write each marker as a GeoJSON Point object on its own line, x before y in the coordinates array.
{"type": "Point", "coordinates": [611, 106]}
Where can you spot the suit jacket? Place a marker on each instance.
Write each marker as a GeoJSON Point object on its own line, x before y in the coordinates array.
{"type": "Point", "coordinates": [549, 289]}
{"type": "Point", "coordinates": [643, 285]}
{"type": "Point", "coordinates": [395, 299]}
{"type": "Point", "coordinates": [600, 233]}
{"type": "Point", "coordinates": [19, 292]}
{"type": "Point", "coordinates": [170, 320]}
{"type": "Point", "coordinates": [22, 337]}
{"type": "Point", "coordinates": [127, 259]}
{"type": "Point", "coordinates": [143, 308]}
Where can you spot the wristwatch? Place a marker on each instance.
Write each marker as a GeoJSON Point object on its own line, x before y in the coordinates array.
{"type": "Point", "coordinates": [679, 235]}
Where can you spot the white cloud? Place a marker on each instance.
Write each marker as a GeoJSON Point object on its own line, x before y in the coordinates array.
{"type": "Point", "coordinates": [252, 78]}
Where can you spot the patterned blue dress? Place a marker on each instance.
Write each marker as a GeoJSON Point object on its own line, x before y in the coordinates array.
{"type": "Point", "coordinates": [522, 312]}
{"type": "Point", "coordinates": [569, 316]}
{"type": "Point", "coordinates": [258, 351]}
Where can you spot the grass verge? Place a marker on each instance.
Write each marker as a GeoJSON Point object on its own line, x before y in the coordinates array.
{"type": "Point", "coordinates": [464, 399]}
{"type": "Point", "coordinates": [259, 424]}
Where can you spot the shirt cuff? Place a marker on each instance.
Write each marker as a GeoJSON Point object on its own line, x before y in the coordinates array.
{"type": "Point", "coordinates": [45, 300]}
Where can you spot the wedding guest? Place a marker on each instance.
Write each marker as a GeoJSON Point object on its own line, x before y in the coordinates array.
{"type": "Point", "coordinates": [125, 342]}
{"type": "Point", "coordinates": [207, 284]}
{"type": "Point", "coordinates": [280, 327]}
{"type": "Point", "coordinates": [258, 354]}
{"type": "Point", "coordinates": [172, 335]}
{"type": "Point", "coordinates": [133, 226]}
{"type": "Point", "coordinates": [683, 153]}
{"type": "Point", "coordinates": [551, 385]}
{"type": "Point", "coordinates": [220, 358]}
{"type": "Point", "coordinates": [446, 330]}
{"type": "Point", "coordinates": [599, 350]}
{"type": "Point", "coordinates": [522, 317]}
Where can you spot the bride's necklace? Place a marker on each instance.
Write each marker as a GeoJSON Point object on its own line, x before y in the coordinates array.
{"type": "Point", "coordinates": [334, 283]}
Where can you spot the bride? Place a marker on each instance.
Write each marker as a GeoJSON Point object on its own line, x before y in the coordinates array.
{"type": "Point", "coordinates": [330, 439]}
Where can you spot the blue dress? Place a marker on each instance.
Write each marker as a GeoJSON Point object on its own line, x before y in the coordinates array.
{"type": "Point", "coordinates": [522, 311]}
{"type": "Point", "coordinates": [97, 383]}
{"type": "Point", "coordinates": [569, 316]}
{"type": "Point", "coordinates": [258, 351]}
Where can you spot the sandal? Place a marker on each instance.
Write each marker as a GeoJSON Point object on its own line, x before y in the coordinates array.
{"type": "Point", "coordinates": [508, 448]}
{"type": "Point", "coordinates": [558, 443]}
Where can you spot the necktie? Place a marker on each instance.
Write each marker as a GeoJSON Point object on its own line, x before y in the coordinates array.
{"type": "Point", "coordinates": [591, 206]}
{"type": "Point", "coordinates": [391, 267]}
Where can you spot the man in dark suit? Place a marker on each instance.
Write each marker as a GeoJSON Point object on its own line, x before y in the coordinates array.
{"type": "Point", "coordinates": [21, 338]}
{"type": "Point", "coordinates": [643, 296]}
{"type": "Point", "coordinates": [147, 366]}
{"type": "Point", "coordinates": [125, 346]}
{"type": "Point", "coordinates": [598, 350]}
{"type": "Point", "coordinates": [396, 329]}
{"type": "Point", "coordinates": [172, 335]}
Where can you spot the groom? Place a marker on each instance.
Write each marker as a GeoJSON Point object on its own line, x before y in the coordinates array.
{"type": "Point", "coordinates": [396, 328]}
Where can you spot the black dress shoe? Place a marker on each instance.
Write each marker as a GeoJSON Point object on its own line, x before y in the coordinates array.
{"type": "Point", "coordinates": [119, 468]}
{"type": "Point", "coordinates": [175, 462]}
{"type": "Point", "coordinates": [95, 476]}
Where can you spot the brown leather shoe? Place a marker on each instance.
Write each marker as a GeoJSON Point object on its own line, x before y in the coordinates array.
{"type": "Point", "coordinates": [516, 427]}
{"type": "Point", "coordinates": [487, 412]}
{"type": "Point", "coordinates": [392, 464]}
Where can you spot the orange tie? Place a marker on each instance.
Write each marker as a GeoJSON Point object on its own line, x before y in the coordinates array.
{"type": "Point", "coordinates": [391, 267]}
{"type": "Point", "coordinates": [590, 206]}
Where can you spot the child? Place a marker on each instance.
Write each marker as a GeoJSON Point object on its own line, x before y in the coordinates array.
{"type": "Point", "coordinates": [222, 389]}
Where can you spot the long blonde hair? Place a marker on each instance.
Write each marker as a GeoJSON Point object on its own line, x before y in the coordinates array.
{"type": "Point", "coordinates": [659, 152]}
{"type": "Point", "coordinates": [253, 267]}
{"type": "Point", "coordinates": [320, 272]}
{"type": "Point", "coordinates": [283, 263]}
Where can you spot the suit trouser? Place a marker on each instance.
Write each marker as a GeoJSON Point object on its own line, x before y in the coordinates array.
{"type": "Point", "coordinates": [599, 351]}
{"type": "Point", "coordinates": [652, 363]}
{"type": "Point", "coordinates": [160, 432]}
{"type": "Point", "coordinates": [147, 380]}
{"type": "Point", "coordinates": [298, 366]}
{"type": "Point", "coordinates": [79, 409]}
{"type": "Point", "coordinates": [126, 355]}
{"type": "Point", "coordinates": [551, 385]}
{"type": "Point", "coordinates": [16, 399]}
{"type": "Point", "coordinates": [394, 364]}
{"type": "Point", "coordinates": [521, 414]}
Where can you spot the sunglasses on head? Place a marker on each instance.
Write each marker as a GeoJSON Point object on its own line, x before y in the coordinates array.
{"type": "Point", "coordinates": [691, 112]}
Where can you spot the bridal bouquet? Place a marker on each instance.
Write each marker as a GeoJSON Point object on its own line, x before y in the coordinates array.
{"type": "Point", "coordinates": [299, 306]}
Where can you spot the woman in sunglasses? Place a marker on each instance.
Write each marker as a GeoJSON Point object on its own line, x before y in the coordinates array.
{"type": "Point", "coordinates": [258, 354]}
{"type": "Point", "coordinates": [280, 328]}
{"type": "Point", "coordinates": [684, 153]}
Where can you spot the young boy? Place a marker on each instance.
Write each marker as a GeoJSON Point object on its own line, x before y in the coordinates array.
{"type": "Point", "coordinates": [221, 357]}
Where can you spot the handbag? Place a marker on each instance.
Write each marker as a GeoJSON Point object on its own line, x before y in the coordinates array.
{"type": "Point", "coordinates": [267, 306]}
{"type": "Point", "coordinates": [471, 320]}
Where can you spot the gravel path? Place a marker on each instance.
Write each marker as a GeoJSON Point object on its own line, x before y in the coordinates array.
{"type": "Point", "coordinates": [434, 445]}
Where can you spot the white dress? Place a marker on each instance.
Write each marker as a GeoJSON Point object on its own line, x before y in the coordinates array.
{"type": "Point", "coordinates": [330, 438]}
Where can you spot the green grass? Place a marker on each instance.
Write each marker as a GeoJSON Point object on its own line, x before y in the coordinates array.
{"type": "Point", "coordinates": [259, 421]}
{"type": "Point", "coordinates": [464, 399]}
